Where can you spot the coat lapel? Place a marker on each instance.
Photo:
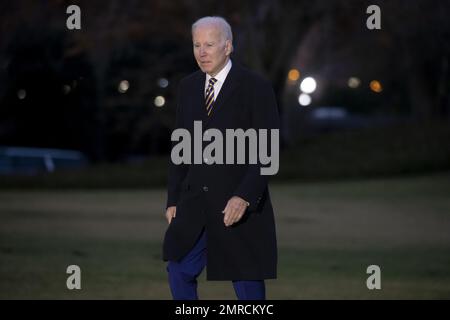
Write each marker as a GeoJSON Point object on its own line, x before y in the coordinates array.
{"type": "Point", "coordinates": [199, 98]}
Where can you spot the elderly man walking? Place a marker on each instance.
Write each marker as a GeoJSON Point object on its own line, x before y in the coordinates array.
{"type": "Point", "coordinates": [220, 215]}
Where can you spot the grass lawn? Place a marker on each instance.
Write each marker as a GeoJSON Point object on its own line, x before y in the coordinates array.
{"type": "Point", "coordinates": [328, 234]}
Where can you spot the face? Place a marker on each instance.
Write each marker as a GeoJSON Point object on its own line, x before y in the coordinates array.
{"type": "Point", "coordinates": [210, 49]}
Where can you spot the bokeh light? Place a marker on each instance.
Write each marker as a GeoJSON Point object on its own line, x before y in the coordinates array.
{"type": "Point", "coordinates": [293, 75]}
{"type": "Point", "coordinates": [159, 101]}
{"type": "Point", "coordinates": [376, 86]}
{"type": "Point", "coordinates": [304, 99]}
{"type": "Point", "coordinates": [124, 85]}
{"type": "Point", "coordinates": [21, 94]}
{"type": "Point", "coordinates": [66, 89]}
{"type": "Point", "coordinates": [163, 82]}
{"type": "Point", "coordinates": [354, 82]}
{"type": "Point", "coordinates": [308, 85]}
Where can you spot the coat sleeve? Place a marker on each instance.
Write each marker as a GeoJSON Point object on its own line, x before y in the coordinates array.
{"type": "Point", "coordinates": [178, 172]}
{"type": "Point", "coordinates": [264, 115]}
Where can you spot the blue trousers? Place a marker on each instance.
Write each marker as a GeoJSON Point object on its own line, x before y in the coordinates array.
{"type": "Point", "coordinates": [183, 276]}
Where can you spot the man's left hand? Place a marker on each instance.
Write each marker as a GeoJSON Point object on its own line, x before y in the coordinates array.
{"type": "Point", "coordinates": [234, 210]}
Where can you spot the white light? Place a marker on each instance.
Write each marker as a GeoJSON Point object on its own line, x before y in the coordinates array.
{"type": "Point", "coordinates": [124, 85]}
{"type": "Point", "coordinates": [163, 82]}
{"type": "Point", "coordinates": [308, 85]}
{"type": "Point", "coordinates": [159, 101]}
{"type": "Point", "coordinates": [21, 94]}
{"type": "Point", "coordinates": [354, 82]}
{"type": "Point", "coordinates": [304, 99]}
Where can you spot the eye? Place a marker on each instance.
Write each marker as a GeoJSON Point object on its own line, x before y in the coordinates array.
{"type": "Point", "coordinates": [196, 45]}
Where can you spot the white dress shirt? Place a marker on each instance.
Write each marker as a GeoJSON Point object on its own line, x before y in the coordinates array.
{"type": "Point", "coordinates": [220, 77]}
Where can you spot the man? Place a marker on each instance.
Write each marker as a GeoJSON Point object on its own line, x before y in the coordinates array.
{"type": "Point", "coordinates": [220, 215]}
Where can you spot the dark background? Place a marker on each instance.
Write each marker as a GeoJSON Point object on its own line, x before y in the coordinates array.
{"type": "Point", "coordinates": [59, 88]}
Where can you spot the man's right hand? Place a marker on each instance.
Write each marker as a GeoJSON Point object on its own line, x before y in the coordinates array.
{"type": "Point", "coordinates": [171, 213]}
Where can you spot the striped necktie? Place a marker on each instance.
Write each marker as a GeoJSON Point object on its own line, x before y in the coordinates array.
{"type": "Point", "coordinates": [209, 96]}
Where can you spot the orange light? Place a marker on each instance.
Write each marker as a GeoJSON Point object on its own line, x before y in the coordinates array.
{"type": "Point", "coordinates": [375, 86]}
{"type": "Point", "coordinates": [293, 75]}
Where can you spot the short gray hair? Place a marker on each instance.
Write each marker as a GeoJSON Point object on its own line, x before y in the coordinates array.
{"type": "Point", "coordinates": [217, 21]}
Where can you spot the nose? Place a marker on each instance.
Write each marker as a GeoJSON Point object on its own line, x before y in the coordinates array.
{"type": "Point", "coordinates": [202, 51]}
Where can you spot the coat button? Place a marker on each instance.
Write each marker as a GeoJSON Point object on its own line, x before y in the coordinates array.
{"type": "Point", "coordinates": [205, 188]}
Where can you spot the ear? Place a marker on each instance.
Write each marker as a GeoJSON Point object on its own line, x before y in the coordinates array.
{"type": "Point", "coordinates": [228, 47]}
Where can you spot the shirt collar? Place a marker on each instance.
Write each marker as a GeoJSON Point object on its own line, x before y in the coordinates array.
{"type": "Point", "coordinates": [222, 75]}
